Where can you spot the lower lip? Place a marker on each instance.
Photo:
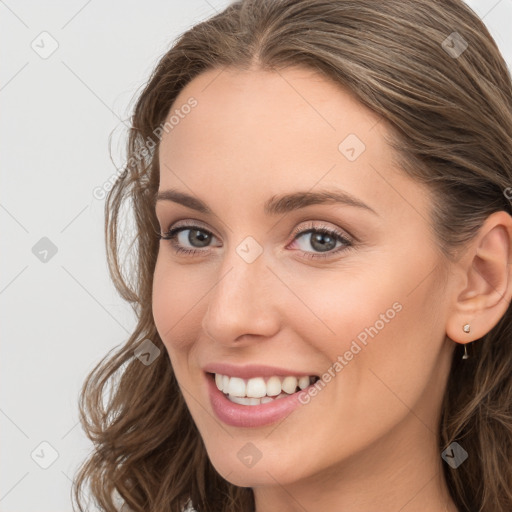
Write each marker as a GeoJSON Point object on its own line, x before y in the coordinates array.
{"type": "Point", "coordinates": [238, 415]}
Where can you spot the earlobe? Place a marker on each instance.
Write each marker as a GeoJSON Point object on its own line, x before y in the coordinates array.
{"type": "Point", "coordinates": [485, 295]}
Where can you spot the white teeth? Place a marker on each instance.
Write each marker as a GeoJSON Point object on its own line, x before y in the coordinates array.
{"type": "Point", "coordinates": [244, 401]}
{"type": "Point", "coordinates": [303, 382]}
{"type": "Point", "coordinates": [236, 387]}
{"type": "Point", "coordinates": [225, 384]}
{"type": "Point", "coordinates": [219, 381]}
{"type": "Point", "coordinates": [274, 386]}
{"type": "Point", "coordinates": [289, 385]}
{"type": "Point", "coordinates": [239, 400]}
{"type": "Point", "coordinates": [254, 401]}
{"type": "Point", "coordinates": [257, 388]}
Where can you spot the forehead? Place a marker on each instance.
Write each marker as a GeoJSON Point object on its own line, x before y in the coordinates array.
{"type": "Point", "coordinates": [257, 133]}
{"type": "Point", "coordinates": [295, 103]}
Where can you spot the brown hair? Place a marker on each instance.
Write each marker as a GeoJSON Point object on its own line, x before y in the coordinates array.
{"type": "Point", "coordinates": [450, 110]}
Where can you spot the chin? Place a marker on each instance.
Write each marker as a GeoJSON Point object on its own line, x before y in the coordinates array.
{"type": "Point", "coordinates": [261, 473]}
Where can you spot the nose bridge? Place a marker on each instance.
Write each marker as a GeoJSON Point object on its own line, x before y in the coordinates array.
{"type": "Point", "coordinates": [239, 302]}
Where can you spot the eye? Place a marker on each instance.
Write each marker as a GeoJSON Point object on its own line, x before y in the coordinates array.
{"type": "Point", "coordinates": [197, 235]}
{"type": "Point", "coordinates": [320, 238]}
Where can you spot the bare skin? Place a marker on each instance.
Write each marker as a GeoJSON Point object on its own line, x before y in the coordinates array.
{"type": "Point", "coordinates": [368, 440]}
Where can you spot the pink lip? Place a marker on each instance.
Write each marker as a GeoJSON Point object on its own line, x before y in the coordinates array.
{"type": "Point", "coordinates": [249, 371]}
{"type": "Point", "coordinates": [238, 415]}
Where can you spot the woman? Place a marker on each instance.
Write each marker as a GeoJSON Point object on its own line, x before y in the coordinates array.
{"type": "Point", "coordinates": [322, 278]}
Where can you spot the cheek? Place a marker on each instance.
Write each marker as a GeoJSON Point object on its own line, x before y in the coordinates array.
{"type": "Point", "coordinates": [172, 303]}
{"type": "Point", "coordinates": [382, 324]}
{"type": "Point", "coordinates": [398, 326]}
{"type": "Point", "coordinates": [176, 304]}
{"type": "Point", "coordinates": [354, 306]}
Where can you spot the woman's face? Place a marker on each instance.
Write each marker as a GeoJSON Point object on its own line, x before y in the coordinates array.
{"type": "Point", "coordinates": [362, 306]}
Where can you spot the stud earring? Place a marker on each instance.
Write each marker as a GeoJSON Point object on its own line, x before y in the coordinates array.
{"type": "Point", "coordinates": [466, 328]}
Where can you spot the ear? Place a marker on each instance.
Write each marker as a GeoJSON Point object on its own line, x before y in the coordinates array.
{"type": "Point", "coordinates": [485, 291]}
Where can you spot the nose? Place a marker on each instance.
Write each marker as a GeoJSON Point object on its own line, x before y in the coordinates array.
{"type": "Point", "coordinates": [243, 304]}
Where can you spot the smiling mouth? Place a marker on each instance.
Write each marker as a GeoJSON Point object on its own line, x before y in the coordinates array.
{"type": "Point", "coordinates": [260, 390]}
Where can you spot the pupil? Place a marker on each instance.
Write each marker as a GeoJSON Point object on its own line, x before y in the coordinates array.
{"type": "Point", "coordinates": [203, 237]}
{"type": "Point", "coordinates": [323, 246]}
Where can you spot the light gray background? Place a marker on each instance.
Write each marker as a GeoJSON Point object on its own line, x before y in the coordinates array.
{"type": "Point", "coordinates": [61, 316]}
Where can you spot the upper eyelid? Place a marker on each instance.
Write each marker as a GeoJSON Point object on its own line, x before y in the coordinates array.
{"type": "Point", "coordinates": [197, 223]}
{"type": "Point", "coordinates": [189, 225]}
{"type": "Point", "coordinates": [160, 209]}
{"type": "Point", "coordinates": [296, 232]}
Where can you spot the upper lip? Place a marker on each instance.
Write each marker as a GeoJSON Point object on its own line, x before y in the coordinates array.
{"type": "Point", "coordinates": [251, 370]}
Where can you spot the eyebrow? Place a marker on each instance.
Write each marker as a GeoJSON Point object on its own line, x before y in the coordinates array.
{"type": "Point", "coordinates": [276, 205]}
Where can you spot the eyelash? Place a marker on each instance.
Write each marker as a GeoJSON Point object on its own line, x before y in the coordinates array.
{"type": "Point", "coordinates": [171, 236]}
